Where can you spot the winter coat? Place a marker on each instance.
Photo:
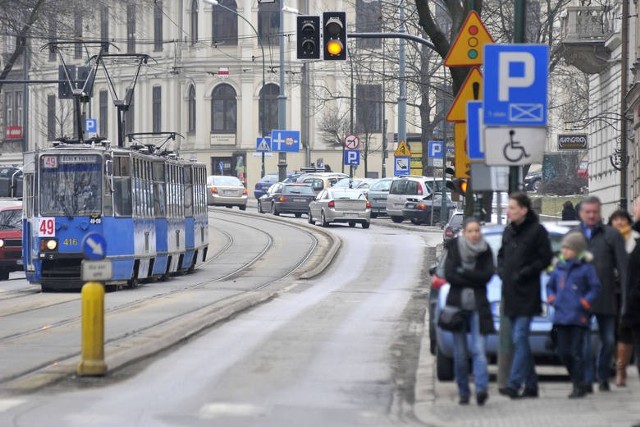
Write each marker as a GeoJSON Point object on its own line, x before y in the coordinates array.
{"type": "Point", "coordinates": [460, 278]}
{"type": "Point", "coordinates": [525, 253]}
{"type": "Point", "coordinates": [610, 260]}
{"type": "Point", "coordinates": [572, 287]}
{"type": "Point", "coordinates": [569, 214]}
{"type": "Point", "coordinates": [631, 312]}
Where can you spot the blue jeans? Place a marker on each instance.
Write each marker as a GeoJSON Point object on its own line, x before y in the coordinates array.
{"type": "Point", "coordinates": [606, 330]}
{"type": "Point", "coordinates": [461, 349]}
{"type": "Point", "coordinates": [570, 348]}
{"type": "Point", "coordinates": [523, 369]}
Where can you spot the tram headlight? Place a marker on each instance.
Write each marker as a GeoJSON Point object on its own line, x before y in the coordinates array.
{"type": "Point", "coordinates": [48, 245]}
{"type": "Point", "coordinates": [1, 243]}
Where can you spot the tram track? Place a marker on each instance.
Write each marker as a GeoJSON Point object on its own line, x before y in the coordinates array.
{"type": "Point", "coordinates": [140, 305]}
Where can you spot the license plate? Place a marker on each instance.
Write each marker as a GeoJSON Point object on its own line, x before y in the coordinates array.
{"type": "Point", "coordinates": [351, 215]}
{"type": "Point", "coordinates": [228, 192]}
{"type": "Point", "coordinates": [299, 200]}
{"type": "Point", "coordinates": [19, 262]}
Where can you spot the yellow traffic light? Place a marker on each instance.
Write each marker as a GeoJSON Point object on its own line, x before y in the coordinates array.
{"type": "Point", "coordinates": [334, 47]}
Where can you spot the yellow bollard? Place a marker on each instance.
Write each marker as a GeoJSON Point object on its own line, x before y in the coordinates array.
{"type": "Point", "coordinates": [92, 362]}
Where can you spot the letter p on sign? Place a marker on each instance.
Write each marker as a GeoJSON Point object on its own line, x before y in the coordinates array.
{"type": "Point", "coordinates": [508, 62]}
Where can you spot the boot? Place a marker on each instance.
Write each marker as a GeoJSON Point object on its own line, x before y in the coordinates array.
{"type": "Point", "coordinates": [577, 392]}
{"type": "Point", "coordinates": [624, 356]}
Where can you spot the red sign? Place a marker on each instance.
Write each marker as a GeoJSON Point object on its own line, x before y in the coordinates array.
{"type": "Point", "coordinates": [14, 132]}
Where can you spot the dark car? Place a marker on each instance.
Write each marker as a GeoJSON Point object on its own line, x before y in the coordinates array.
{"type": "Point", "coordinates": [10, 240]}
{"type": "Point", "coordinates": [453, 227]}
{"type": "Point", "coordinates": [437, 281]}
{"type": "Point", "coordinates": [419, 211]}
{"type": "Point", "coordinates": [263, 185]}
{"type": "Point", "coordinates": [287, 198]}
{"type": "Point", "coordinates": [533, 181]}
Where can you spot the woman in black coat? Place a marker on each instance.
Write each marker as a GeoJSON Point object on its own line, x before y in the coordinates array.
{"type": "Point", "coordinates": [468, 268]}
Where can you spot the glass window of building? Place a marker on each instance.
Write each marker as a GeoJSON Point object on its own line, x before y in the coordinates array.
{"type": "Point", "coordinates": [131, 28]}
{"type": "Point", "coordinates": [129, 115]}
{"type": "Point", "coordinates": [269, 22]}
{"type": "Point", "coordinates": [224, 29]}
{"type": "Point", "coordinates": [369, 20]}
{"type": "Point", "coordinates": [104, 23]}
{"type": "Point", "coordinates": [77, 33]}
{"type": "Point", "coordinates": [103, 122]}
{"type": "Point", "coordinates": [192, 109]}
{"type": "Point", "coordinates": [53, 36]}
{"type": "Point", "coordinates": [51, 117]}
{"type": "Point", "coordinates": [156, 108]}
{"type": "Point", "coordinates": [369, 108]}
{"type": "Point", "coordinates": [194, 21]}
{"type": "Point", "coordinates": [157, 26]}
{"type": "Point", "coordinates": [269, 108]}
{"type": "Point", "coordinates": [223, 109]}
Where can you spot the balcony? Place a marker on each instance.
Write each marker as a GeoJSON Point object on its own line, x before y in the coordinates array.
{"type": "Point", "coordinates": [588, 38]}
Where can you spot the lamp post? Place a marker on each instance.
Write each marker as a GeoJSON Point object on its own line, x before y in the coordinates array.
{"type": "Point", "coordinates": [262, 117]}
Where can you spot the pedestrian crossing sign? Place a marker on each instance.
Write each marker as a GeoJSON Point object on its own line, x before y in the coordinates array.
{"type": "Point", "coordinates": [263, 144]}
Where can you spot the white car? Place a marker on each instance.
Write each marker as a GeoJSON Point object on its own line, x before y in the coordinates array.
{"type": "Point", "coordinates": [340, 205]}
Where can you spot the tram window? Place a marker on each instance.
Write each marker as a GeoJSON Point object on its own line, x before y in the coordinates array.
{"type": "Point", "coordinates": [188, 192]}
{"type": "Point", "coordinates": [28, 195]}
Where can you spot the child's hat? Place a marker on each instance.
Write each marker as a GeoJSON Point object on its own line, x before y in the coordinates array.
{"type": "Point", "coordinates": [575, 241]}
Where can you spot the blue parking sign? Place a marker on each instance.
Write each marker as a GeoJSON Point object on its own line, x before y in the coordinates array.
{"type": "Point", "coordinates": [91, 125]}
{"type": "Point", "coordinates": [435, 149]}
{"type": "Point", "coordinates": [475, 145]}
{"type": "Point", "coordinates": [351, 157]}
{"type": "Point", "coordinates": [515, 84]}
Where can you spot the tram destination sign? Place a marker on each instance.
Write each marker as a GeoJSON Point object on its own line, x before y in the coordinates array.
{"type": "Point", "coordinates": [572, 142]}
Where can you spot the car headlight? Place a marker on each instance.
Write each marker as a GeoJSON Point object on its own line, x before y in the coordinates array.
{"type": "Point", "coordinates": [48, 244]}
{"type": "Point", "coordinates": [1, 243]}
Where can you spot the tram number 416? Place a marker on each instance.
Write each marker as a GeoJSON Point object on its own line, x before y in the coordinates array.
{"type": "Point", "coordinates": [47, 227]}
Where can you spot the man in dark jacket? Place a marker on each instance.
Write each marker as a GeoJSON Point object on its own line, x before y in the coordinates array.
{"type": "Point", "coordinates": [631, 311]}
{"type": "Point", "coordinates": [525, 253]}
{"type": "Point", "coordinates": [610, 259]}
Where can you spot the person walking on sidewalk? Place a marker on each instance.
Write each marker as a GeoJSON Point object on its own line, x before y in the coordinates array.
{"type": "Point", "coordinates": [610, 261]}
{"type": "Point", "coordinates": [468, 268]}
{"type": "Point", "coordinates": [572, 287]}
{"type": "Point", "coordinates": [621, 221]}
{"type": "Point", "coordinates": [524, 254]}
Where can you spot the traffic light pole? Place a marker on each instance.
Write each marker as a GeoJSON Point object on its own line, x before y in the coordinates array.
{"type": "Point", "coordinates": [282, 103]}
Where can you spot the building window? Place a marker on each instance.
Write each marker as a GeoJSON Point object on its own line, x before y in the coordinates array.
{"type": "Point", "coordinates": [51, 117]}
{"type": "Point", "coordinates": [129, 115]}
{"type": "Point", "coordinates": [53, 37]}
{"type": "Point", "coordinates": [269, 22]}
{"type": "Point", "coordinates": [369, 108]}
{"type": "Point", "coordinates": [223, 109]}
{"type": "Point", "coordinates": [224, 29]}
{"type": "Point", "coordinates": [131, 28]}
{"type": "Point", "coordinates": [77, 33]}
{"type": "Point", "coordinates": [104, 23]}
{"type": "Point", "coordinates": [157, 26]}
{"type": "Point", "coordinates": [8, 109]}
{"type": "Point", "coordinates": [192, 109]}
{"type": "Point", "coordinates": [156, 109]}
{"type": "Point", "coordinates": [194, 22]}
{"type": "Point", "coordinates": [368, 20]}
{"type": "Point", "coordinates": [103, 100]}
{"type": "Point", "coordinates": [269, 108]}
{"type": "Point", "coordinates": [19, 111]}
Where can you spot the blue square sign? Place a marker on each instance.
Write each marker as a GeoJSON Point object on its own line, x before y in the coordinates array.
{"type": "Point", "coordinates": [91, 125]}
{"type": "Point", "coordinates": [285, 140]}
{"type": "Point", "coordinates": [515, 85]}
{"type": "Point", "coordinates": [351, 157]}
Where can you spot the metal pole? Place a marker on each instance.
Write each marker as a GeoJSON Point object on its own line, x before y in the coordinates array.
{"type": "Point", "coordinates": [282, 101]}
{"type": "Point", "coordinates": [624, 66]}
{"type": "Point", "coordinates": [402, 97]}
{"type": "Point", "coordinates": [444, 210]}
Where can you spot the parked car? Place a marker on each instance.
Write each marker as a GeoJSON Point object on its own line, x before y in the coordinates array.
{"type": "Point", "coordinates": [378, 192]}
{"type": "Point", "coordinates": [533, 181]}
{"type": "Point", "coordinates": [453, 227]}
{"type": "Point", "coordinates": [264, 183]}
{"type": "Point", "coordinates": [419, 211]}
{"type": "Point", "coordinates": [287, 198]}
{"type": "Point", "coordinates": [540, 338]}
{"type": "Point", "coordinates": [437, 281]}
{"type": "Point", "coordinates": [322, 180]}
{"type": "Point", "coordinates": [10, 239]}
{"type": "Point", "coordinates": [359, 183]}
{"type": "Point", "coordinates": [340, 205]}
{"type": "Point", "coordinates": [223, 190]}
{"type": "Point", "coordinates": [409, 187]}
{"type": "Point", "coordinates": [583, 169]}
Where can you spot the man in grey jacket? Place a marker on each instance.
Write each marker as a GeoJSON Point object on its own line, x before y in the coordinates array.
{"type": "Point", "coordinates": [610, 260]}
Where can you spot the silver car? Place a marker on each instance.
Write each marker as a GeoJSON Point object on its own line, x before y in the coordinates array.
{"type": "Point", "coordinates": [340, 205]}
{"type": "Point", "coordinates": [223, 190]}
{"type": "Point", "coordinates": [378, 193]}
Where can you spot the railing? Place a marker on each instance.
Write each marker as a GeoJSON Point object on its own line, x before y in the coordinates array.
{"type": "Point", "coordinates": [587, 23]}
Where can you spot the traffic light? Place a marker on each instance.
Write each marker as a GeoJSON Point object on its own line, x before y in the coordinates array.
{"type": "Point", "coordinates": [460, 186]}
{"type": "Point", "coordinates": [308, 37]}
{"type": "Point", "coordinates": [334, 35]}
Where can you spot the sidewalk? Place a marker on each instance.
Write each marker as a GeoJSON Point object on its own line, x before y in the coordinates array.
{"type": "Point", "coordinates": [437, 402]}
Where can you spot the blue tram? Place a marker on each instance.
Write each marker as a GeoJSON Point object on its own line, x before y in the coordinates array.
{"type": "Point", "coordinates": [151, 209]}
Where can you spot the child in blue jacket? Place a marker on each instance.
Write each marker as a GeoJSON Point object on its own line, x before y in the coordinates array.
{"type": "Point", "coordinates": [571, 289]}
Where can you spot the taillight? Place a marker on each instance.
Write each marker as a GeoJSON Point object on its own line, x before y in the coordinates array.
{"type": "Point", "coordinates": [282, 199]}
{"type": "Point", "coordinates": [421, 206]}
{"type": "Point", "coordinates": [331, 204]}
{"type": "Point", "coordinates": [214, 190]}
{"type": "Point", "coordinates": [419, 191]}
{"type": "Point", "coordinates": [437, 282]}
{"type": "Point", "coordinates": [244, 192]}
{"type": "Point", "coordinates": [448, 232]}
{"type": "Point", "coordinates": [368, 204]}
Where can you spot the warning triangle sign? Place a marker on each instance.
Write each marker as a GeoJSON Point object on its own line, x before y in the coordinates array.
{"type": "Point", "coordinates": [263, 145]}
{"type": "Point", "coordinates": [467, 49]}
{"type": "Point", "coordinates": [402, 150]}
{"type": "Point", "coordinates": [471, 90]}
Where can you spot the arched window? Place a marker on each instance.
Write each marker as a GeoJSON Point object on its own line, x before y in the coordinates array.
{"type": "Point", "coordinates": [194, 21]}
{"type": "Point", "coordinates": [269, 22]}
{"type": "Point", "coordinates": [224, 29]}
{"type": "Point", "coordinates": [191, 125]}
{"type": "Point", "coordinates": [270, 103]}
{"type": "Point", "coordinates": [224, 111]}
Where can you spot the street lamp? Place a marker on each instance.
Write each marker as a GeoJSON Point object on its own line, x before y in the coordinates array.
{"type": "Point", "coordinates": [282, 96]}
{"type": "Point", "coordinates": [262, 109]}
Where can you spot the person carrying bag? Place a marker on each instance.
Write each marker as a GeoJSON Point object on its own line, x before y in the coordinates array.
{"type": "Point", "coordinates": [468, 269]}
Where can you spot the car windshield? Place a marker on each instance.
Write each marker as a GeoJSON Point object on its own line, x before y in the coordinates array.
{"type": "Point", "coordinates": [303, 190]}
{"type": "Point", "coordinates": [226, 180]}
{"type": "Point", "coordinates": [346, 195]}
{"type": "Point", "coordinates": [349, 183]}
{"type": "Point", "coordinates": [382, 185]}
{"type": "Point", "coordinates": [269, 178]}
{"type": "Point", "coordinates": [11, 219]}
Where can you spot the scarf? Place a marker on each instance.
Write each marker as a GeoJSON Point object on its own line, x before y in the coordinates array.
{"type": "Point", "coordinates": [625, 230]}
{"type": "Point", "coordinates": [469, 252]}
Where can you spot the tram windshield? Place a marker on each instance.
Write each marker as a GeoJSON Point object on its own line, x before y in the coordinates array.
{"type": "Point", "coordinates": [70, 184]}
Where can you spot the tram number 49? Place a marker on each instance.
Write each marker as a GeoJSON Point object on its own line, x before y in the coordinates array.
{"type": "Point", "coordinates": [47, 227]}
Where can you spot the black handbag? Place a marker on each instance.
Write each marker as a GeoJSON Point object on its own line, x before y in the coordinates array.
{"type": "Point", "coordinates": [451, 319]}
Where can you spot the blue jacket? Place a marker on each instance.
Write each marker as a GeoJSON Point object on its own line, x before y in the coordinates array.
{"type": "Point", "coordinates": [572, 288]}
